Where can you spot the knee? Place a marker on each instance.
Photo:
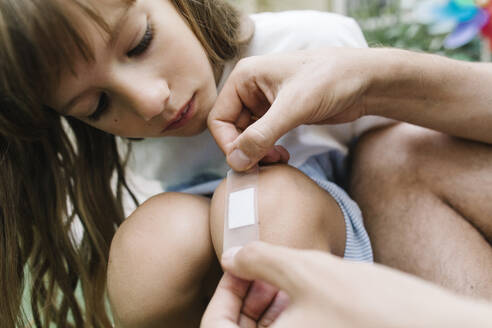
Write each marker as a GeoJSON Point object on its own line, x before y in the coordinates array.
{"type": "Point", "coordinates": [293, 211]}
{"type": "Point", "coordinates": [399, 155]}
{"type": "Point", "coordinates": [157, 258]}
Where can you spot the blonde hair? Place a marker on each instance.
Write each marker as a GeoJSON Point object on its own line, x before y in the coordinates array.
{"type": "Point", "coordinates": [42, 170]}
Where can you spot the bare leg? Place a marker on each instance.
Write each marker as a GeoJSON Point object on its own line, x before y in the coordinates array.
{"type": "Point", "coordinates": [294, 211]}
{"type": "Point", "coordinates": [426, 202]}
{"type": "Point", "coordinates": [162, 264]}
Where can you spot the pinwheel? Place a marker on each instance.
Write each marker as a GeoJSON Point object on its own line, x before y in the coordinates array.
{"type": "Point", "coordinates": [465, 19]}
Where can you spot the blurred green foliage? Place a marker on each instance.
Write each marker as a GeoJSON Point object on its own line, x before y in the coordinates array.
{"type": "Point", "coordinates": [402, 34]}
{"type": "Point", "coordinates": [416, 37]}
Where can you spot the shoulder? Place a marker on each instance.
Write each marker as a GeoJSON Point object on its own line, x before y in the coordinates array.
{"type": "Point", "coordinates": [298, 30]}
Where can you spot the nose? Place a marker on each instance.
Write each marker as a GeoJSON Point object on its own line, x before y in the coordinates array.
{"type": "Point", "coordinates": [146, 96]}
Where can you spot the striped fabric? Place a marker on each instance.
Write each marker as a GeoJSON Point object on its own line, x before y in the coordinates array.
{"type": "Point", "coordinates": [323, 170]}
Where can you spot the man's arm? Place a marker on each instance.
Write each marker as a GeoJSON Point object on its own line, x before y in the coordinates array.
{"type": "Point", "coordinates": [447, 95]}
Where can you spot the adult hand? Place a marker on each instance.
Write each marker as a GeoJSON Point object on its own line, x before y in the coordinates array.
{"type": "Point", "coordinates": [266, 96]}
{"type": "Point", "coordinates": [241, 303]}
{"type": "Point", "coordinates": [325, 290]}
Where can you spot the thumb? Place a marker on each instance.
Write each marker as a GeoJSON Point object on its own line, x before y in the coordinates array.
{"type": "Point", "coordinates": [276, 265]}
{"type": "Point", "coordinates": [258, 139]}
{"type": "Point", "coordinates": [225, 306]}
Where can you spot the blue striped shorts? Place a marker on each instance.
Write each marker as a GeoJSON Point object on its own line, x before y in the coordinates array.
{"type": "Point", "coordinates": [324, 169]}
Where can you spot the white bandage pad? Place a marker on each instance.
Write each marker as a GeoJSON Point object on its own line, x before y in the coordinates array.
{"type": "Point", "coordinates": [241, 208]}
{"type": "Point", "coordinates": [241, 215]}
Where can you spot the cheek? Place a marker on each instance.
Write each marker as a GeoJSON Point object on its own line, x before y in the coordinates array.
{"type": "Point", "coordinates": [210, 97]}
{"type": "Point", "coordinates": [189, 65]}
{"type": "Point", "coordinates": [185, 54]}
{"type": "Point", "coordinates": [116, 126]}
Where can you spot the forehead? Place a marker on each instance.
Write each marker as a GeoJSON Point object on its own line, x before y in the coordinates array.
{"type": "Point", "coordinates": [95, 22]}
{"type": "Point", "coordinates": [77, 25]}
{"type": "Point", "coordinates": [90, 15]}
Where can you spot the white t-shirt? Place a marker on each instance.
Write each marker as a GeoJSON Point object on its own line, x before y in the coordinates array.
{"type": "Point", "coordinates": [160, 164]}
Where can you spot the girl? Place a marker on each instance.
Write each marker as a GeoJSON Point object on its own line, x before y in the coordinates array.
{"type": "Point", "coordinates": [146, 69]}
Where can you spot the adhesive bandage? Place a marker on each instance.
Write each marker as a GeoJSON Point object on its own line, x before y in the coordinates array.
{"type": "Point", "coordinates": [241, 214]}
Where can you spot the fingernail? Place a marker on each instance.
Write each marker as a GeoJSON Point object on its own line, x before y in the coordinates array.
{"type": "Point", "coordinates": [229, 254]}
{"type": "Point", "coordinates": [238, 160]}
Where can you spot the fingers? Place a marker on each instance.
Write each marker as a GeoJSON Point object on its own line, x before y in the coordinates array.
{"type": "Point", "coordinates": [241, 91]}
{"type": "Point", "coordinates": [225, 306]}
{"type": "Point", "coordinates": [276, 155]}
{"type": "Point", "coordinates": [243, 100]}
{"type": "Point", "coordinates": [278, 266]}
{"type": "Point", "coordinates": [225, 113]}
{"type": "Point", "coordinates": [244, 120]}
{"type": "Point", "coordinates": [262, 306]}
{"type": "Point", "coordinates": [284, 154]}
{"type": "Point", "coordinates": [259, 138]}
{"type": "Point", "coordinates": [279, 304]}
{"type": "Point", "coordinates": [246, 322]}
{"type": "Point", "coordinates": [259, 297]}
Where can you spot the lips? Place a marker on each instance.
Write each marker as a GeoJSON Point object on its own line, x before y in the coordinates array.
{"type": "Point", "coordinates": [183, 114]}
{"type": "Point", "coordinates": [182, 117]}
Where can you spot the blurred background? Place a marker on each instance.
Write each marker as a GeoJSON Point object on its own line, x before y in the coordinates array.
{"type": "Point", "coordinates": [391, 23]}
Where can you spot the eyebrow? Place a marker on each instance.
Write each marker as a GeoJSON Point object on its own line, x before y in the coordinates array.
{"type": "Point", "coordinates": [114, 34]}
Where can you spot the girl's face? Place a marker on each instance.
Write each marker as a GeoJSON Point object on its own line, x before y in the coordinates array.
{"type": "Point", "coordinates": [152, 79]}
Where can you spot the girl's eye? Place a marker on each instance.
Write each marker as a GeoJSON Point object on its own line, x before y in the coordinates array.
{"type": "Point", "coordinates": [102, 106]}
{"type": "Point", "coordinates": [144, 43]}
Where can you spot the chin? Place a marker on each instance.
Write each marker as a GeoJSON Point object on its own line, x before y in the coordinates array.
{"type": "Point", "coordinates": [196, 131]}
{"type": "Point", "coordinates": [190, 131]}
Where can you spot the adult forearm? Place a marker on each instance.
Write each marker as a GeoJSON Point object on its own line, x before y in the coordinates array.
{"type": "Point", "coordinates": [451, 96]}
{"type": "Point", "coordinates": [469, 313]}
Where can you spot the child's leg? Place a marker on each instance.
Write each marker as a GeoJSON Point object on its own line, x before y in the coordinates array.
{"type": "Point", "coordinates": [161, 263]}
{"type": "Point", "coordinates": [293, 210]}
